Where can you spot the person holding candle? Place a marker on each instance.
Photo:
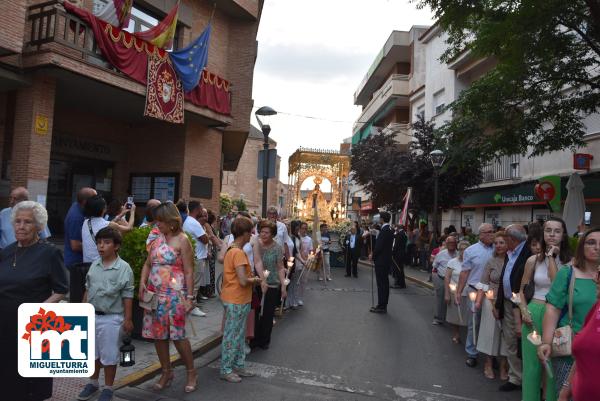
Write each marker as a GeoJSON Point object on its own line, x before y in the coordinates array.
{"type": "Point", "coordinates": [271, 255]}
{"type": "Point", "coordinates": [440, 263]}
{"type": "Point", "coordinates": [507, 301]}
{"type": "Point", "coordinates": [583, 380]}
{"type": "Point", "coordinates": [236, 296]}
{"type": "Point", "coordinates": [581, 275]}
{"type": "Point", "coordinates": [296, 268]}
{"type": "Point", "coordinates": [305, 250]}
{"type": "Point", "coordinates": [490, 342]}
{"type": "Point", "coordinates": [169, 273]}
{"type": "Point", "coordinates": [475, 258]}
{"type": "Point", "coordinates": [540, 270]}
{"type": "Point", "coordinates": [455, 311]}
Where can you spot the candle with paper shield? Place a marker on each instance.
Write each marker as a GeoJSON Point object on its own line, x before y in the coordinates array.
{"type": "Point", "coordinates": [453, 290]}
{"type": "Point", "coordinates": [536, 340]}
{"type": "Point", "coordinates": [515, 299]}
{"type": "Point", "coordinates": [489, 294]}
{"type": "Point", "coordinates": [473, 297]}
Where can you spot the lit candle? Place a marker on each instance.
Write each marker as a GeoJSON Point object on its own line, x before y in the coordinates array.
{"type": "Point", "coordinates": [266, 273]}
{"type": "Point", "coordinates": [286, 281]}
{"type": "Point", "coordinates": [473, 296]}
{"type": "Point", "coordinates": [489, 294]}
{"type": "Point", "coordinates": [515, 298]}
{"type": "Point", "coordinates": [291, 259]}
{"type": "Point", "coordinates": [290, 264]}
{"type": "Point", "coordinates": [452, 287]}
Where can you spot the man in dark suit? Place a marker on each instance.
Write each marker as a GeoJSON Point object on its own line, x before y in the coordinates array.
{"type": "Point", "coordinates": [512, 273]}
{"type": "Point", "coordinates": [382, 255]}
{"type": "Point", "coordinates": [399, 254]}
{"type": "Point", "coordinates": [353, 245]}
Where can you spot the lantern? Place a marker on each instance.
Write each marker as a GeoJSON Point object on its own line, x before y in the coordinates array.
{"type": "Point", "coordinates": [127, 352]}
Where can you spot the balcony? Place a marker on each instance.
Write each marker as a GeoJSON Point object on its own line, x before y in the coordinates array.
{"type": "Point", "coordinates": [401, 132]}
{"type": "Point", "coordinates": [505, 168]}
{"type": "Point", "coordinates": [55, 37]}
{"type": "Point", "coordinates": [394, 92]}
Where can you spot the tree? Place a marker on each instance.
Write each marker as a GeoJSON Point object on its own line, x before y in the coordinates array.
{"type": "Point", "coordinates": [386, 169]}
{"type": "Point", "coordinates": [225, 203]}
{"type": "Point", "coordinates": [544, 82]}
{"type": "Point", "coordinates": [240, 204]}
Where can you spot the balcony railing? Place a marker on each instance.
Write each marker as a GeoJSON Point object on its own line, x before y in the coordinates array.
{"type": "Point", "coordinates": [505, 168]}
{"type": "Point", "coordinates": [396, 85]}
{"type": "Point", "coordinates": [50, 23]}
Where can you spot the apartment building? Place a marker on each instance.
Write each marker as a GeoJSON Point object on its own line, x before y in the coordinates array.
{"type": "Point", "coordinates": [506, 194]}
{"type": "Point", "coordinates": [69, 119]}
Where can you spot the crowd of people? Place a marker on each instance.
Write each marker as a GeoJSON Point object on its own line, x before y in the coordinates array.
{"type": "Point", "coordinates": [527, 300]}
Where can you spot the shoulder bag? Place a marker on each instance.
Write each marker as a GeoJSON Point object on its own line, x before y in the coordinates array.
{"type": "Point", "coordinates": [529, 288]}
{"type": "Point", "coordinates": [563, 336]}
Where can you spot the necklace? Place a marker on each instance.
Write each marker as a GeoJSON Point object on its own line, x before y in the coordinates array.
{"type": "Point", "coordinates": [14, 265]}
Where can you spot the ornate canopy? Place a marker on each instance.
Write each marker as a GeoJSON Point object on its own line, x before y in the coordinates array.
{"type": "Point", "coordinates": [321, 164]}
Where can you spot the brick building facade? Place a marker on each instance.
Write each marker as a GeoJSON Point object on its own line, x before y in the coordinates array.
{"type": "Point", "coordinates": [68, 119]}
{"type": "Point", "coordinates": [244, 181]}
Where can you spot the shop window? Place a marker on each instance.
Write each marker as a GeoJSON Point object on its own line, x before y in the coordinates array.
{"type": "Point", "coordinates": [161, 186]}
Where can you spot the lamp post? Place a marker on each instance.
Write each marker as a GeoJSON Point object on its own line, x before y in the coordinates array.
{"type": "Point", "coordinates": [437, 160]}
{"type": "Point", "coordinates": [266, 113]}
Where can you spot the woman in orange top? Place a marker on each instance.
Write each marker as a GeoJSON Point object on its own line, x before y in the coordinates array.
{"type": "Point", "coordinates": [236, 295]}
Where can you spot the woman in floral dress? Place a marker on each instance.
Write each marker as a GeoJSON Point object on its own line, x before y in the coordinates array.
{"type": "Point", "coordinates": [168, 273]}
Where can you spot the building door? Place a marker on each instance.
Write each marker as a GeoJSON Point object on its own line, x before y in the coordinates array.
{"type": "Point", "coordinates": [67, 177]}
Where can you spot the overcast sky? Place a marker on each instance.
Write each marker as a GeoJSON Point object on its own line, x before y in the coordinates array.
{"type": "Point", "coordinates": [312, 55]}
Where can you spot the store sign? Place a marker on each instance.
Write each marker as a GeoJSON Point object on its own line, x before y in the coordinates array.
{"type": "Point", "coordinates": [548, 191]}
{"type": "Point", "coordinates": [504, 196]}
{"type": "Point", "coordinates": [85, 147]}
{"type": "Point", "coordinates": [513, 198]}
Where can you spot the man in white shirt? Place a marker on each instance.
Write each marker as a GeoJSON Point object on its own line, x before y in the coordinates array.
{"type": "Point", "coordinates": [194, 228]}
{"type": "Point", "coordinates": [282, 234]}
{"type": "Point", "coordinates": [7, 231]}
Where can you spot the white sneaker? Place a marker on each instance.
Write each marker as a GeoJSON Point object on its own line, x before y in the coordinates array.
{"type": "Point", "coordinates": [300, 303]}
{"type": "Point", "coordinates": [247, 349]}
{"type": "Point", "coordinates": [197, 312]}
{"type": "Point", "coordinates": [328, 278]}
{"type": "Point", "coordinates": [320, 278]}
{"type": "Point", "coordinates": [202, 297]}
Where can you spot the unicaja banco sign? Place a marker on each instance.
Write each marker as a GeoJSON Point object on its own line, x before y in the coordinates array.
{"type": "Point", "coordinates": [56, 340]}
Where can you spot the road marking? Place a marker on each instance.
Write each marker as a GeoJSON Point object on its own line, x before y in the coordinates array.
{"type": "Point", "coordinates": [337, 383]}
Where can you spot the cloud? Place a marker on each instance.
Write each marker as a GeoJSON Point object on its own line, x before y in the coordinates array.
{"type": "Point", "coordinates": [311, 63]}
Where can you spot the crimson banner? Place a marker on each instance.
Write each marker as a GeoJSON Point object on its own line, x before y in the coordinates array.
{"type": "Point", "coordinates": [164, 94]}
{"type": "Point", "coordinates": [130, 55]}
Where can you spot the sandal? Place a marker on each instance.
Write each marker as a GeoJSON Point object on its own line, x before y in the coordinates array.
{"type": "Point", "coordinates": [166, 378]}
{"type": "Point", "coordinates": [489, 372]}
{"type": "Point", "coordinates": [191, 388]}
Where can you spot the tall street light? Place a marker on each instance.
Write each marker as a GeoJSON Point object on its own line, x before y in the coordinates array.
{"type": "Point", "coordinates": [437, 160]}
{"type": "Point", "coordinates": [265, 113]}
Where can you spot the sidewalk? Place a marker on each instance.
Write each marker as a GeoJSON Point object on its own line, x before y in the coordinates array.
{"type": "Point", "coordinates": [412, 273]}
{"type": "Point", "coordinates": [208, 335]}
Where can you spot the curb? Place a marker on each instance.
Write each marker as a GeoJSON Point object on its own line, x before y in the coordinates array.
{"type": "Point", "coordinates": [198, 349]}
{"type": "Point", "coordinates": [408, 277]}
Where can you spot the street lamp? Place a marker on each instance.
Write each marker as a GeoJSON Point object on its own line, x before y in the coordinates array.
{"type": "Point", "coordinates": [266, 113]}
{"type": "Point", "coordinates": [437, 160]}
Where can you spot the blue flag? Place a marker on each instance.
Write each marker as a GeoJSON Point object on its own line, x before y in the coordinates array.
{"type": "Point", "coordinates": [191, 60]}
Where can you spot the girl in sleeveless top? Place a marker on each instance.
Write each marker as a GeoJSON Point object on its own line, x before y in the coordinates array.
{"type": "Point", "coordinates": [540, 271]}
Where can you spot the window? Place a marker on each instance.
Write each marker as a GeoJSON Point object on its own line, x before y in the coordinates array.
{"type": "Point", "coordinates": [140, 20]}
{"type": "Point", "coordinates": [438, 102]}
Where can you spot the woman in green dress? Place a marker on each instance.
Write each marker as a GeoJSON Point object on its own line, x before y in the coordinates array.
{"type": "Point", "coordinates": [582, 275]}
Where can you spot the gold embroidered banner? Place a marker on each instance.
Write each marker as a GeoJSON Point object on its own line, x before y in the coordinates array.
{"type": "Point", "coordinates": [164, 92]}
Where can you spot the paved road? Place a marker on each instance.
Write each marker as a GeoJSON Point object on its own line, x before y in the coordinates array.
{"type": "Point", "coordinates": [334, 349]}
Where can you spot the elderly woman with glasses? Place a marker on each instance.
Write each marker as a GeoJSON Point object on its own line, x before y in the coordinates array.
{"type": "Point", "coordinates": [582, 276]}
{"type": "Point", "coordinates": [31, 271]}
